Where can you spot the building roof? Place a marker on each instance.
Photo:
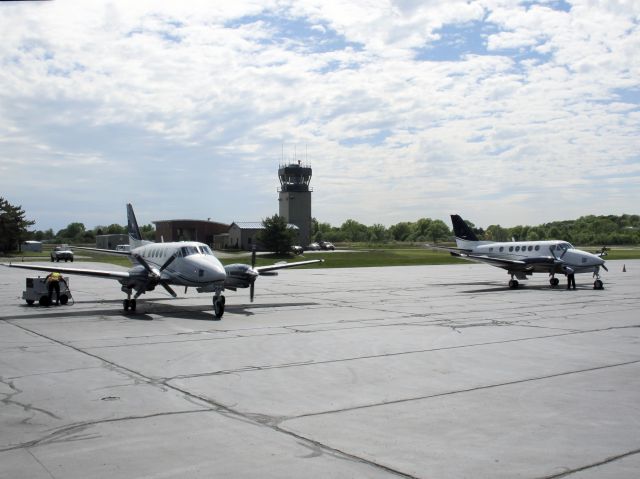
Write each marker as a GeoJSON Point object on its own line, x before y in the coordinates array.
{"type": "Point", "coordinates": [190, 221]}
{"type": "Point", "coordinates": [256, 225]}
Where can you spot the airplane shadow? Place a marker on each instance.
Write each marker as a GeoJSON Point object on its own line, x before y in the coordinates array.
{"type": "Point", "coordinates": [523, 287]}
{"type": "Point", "coordinates": [146, 308]}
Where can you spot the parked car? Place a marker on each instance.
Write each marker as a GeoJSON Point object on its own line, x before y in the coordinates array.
{"type": "Point", "coordinates": [62, 252]}
{"type": "Point", "coordinates": [313, 247]}
{"type": "Point", "coordinates": [297, 249]}
{"type": "Point", "coordinates": [326, 245]}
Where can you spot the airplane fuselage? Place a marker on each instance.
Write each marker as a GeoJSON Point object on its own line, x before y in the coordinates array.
{"type": "Point", "coordinates": [194, 265]}
{"type": "Point", "coordinates": [540, 256]}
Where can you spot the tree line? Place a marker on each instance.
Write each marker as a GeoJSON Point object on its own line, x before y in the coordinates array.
{"type": "Point", "coordinates": [586, 230]}
{"type": "Point", "coordinates": [78, 233]}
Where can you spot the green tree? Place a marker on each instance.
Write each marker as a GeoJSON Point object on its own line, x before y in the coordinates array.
{"type": "Point", "coordinates": [354, 231]}
{"type": "Point", "coordinates": [497, 233]}
{"type": "Point", "coordinates": [148, 232]}
{"type": "Point", "coordinates": [73, 233]}
{"type": "Point", "coordinates": [438, 231]}
{"type": "Point", "coordinates": [378, 234]}
{"type": "Point", "coordinates": [13, 226]}
{"type": "Point", "coordinates": [400, 231]}
{"type": "Point", "coordinates": [276, 235]}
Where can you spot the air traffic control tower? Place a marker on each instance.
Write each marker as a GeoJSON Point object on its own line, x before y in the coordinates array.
{"type": "Point", "coordinates": [295, 198]}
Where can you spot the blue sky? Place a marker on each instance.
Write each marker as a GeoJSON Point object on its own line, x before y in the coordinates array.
{"type": "Point", "coordinates": [505, 112]}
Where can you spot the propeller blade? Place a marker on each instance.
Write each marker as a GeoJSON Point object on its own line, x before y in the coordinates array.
{"type": "Point", "coordinates": [169, 289]}
{"type": "Point", "coordinates": [605, 268]}
{"type": "Point", "coordinates": [168, 262]}
{"type": "Point", "coordinates": [253, 257]}
{"type": "Point", "coordinates": [144, 263]}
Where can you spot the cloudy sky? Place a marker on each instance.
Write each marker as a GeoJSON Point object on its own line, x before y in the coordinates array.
{"type": "Point", "coordinates": [504, 111]}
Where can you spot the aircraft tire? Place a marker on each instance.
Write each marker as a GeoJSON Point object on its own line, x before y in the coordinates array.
{"type": "Point", "coordinates": [598, 284]}
{"type": "Point", "coordinates": [218, 307]}
{"type": "Point", "coordinates": [132, 305]}
{"type": "Point", "coordinates": [513, 284]}
{"type": "Point", "coordinates": [125, 304]}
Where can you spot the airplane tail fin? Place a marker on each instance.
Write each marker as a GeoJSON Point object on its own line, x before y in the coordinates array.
{"type": "Point", "coordinates": [465, 237]}
{"type": "Point", "coordinates": [135, 238]}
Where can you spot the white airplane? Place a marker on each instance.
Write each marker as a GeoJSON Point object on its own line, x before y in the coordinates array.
{"type": "Point", "coordinates": [523, 258]}
{"type": "Point", "coordinates": [185, 263]}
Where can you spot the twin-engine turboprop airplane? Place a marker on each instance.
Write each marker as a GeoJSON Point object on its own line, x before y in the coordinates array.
{"type": "Point", "coordinates": [188, 264]}
{"type": "Point", "coordinates": [523, 258]}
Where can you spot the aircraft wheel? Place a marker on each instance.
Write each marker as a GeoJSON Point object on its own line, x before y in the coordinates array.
{"type": "Point", "coordinates": [125, 304]}
{"type": "Point", "coordinates": [513, 284]}
{"type": "Point", "coordinates": [218, 307]}
{"type": "Point", "coordinates": [554, 282]}
{"type": "Point", "coordinates": [598, 284]}
{"type": "Point", "coordinates": [132, 305]}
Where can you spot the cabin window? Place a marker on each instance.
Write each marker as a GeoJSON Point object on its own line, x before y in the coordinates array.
{"type": "Point", "coordinates": [501, 249]}
{"type": "Point", "coordinates": [537, 248]}
{"type": "Point", "coordinates": [490, 249]}
{"type": "Point", "coordinates": [530, 248]}
{"type": "Point", "coordinates": [510, 248]}
{"type": "Point", "coordinates": [517, 248]}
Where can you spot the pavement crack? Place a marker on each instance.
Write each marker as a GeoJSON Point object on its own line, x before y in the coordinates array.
{"type": "Point", "coordinates": [468, 390]}
{"type": "Point", "coordinates": [608, 460]}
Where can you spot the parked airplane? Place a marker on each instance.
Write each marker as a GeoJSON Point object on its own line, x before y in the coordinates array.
{"type": "Point", "coordinates": [188, 264]}
{"type": "Point", "coordinates": [523, 258]}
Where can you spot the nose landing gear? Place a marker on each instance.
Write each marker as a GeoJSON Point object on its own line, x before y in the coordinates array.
{"type": "Point", "coordinates": [218, 305]}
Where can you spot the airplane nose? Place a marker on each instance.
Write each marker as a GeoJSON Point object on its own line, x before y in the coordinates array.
{"type": "Point", "coordinates": [210, 269]}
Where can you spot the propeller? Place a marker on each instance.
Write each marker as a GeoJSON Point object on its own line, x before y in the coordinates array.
{"type": "Point", "coordinates": [252, 286]}
{"type": "Point", "coordinates": [155, 274]}
{"type": "Point", "coordinates": [252, 289]}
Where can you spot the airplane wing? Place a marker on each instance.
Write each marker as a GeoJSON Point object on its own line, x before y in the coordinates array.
{"type": "Point", "coordinates": [86, 272]}
{"type": "Point", "coordinates": [105, 251]}
{"type": "Point", "coordinates": [453, 251]}
{"type": "Point", "coordinates": [273, 267]}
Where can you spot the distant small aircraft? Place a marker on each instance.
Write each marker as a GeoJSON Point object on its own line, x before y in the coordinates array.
{"type": "Point", "coordinates": [523, 258]}
{"type": "Point", "coordinates": [188, 264]}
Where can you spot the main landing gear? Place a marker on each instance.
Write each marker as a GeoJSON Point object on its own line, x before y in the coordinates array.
{"type": "Point", "coordinates": [218, 305]}
{"type": "Point", "coordinates": [129, 304]}
{"type": "Point", "coordinates": [553, 281]}
{"type": "Point", "coordinates": [513, 283]}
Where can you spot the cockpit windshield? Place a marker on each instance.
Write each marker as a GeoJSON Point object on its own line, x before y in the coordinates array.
{"type": "Point", "coordinates": [562, 246]}
{"type": "Point", "coordinates": [204, 249]}
{"type": "Point", "coordinates": [188, 250]}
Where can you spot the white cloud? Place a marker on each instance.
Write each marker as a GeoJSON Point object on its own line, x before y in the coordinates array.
{"type": "Point", "coordinates": [174, 104]}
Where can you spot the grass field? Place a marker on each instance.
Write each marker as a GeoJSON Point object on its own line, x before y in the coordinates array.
{"type": "Point", "coordinates": [358, 256]}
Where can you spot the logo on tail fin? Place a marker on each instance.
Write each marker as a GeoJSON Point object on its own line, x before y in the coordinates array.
{"type": "Point", "coordinates": [132, 226]}
{"type": "Point", "coordinates": [462, 230]}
